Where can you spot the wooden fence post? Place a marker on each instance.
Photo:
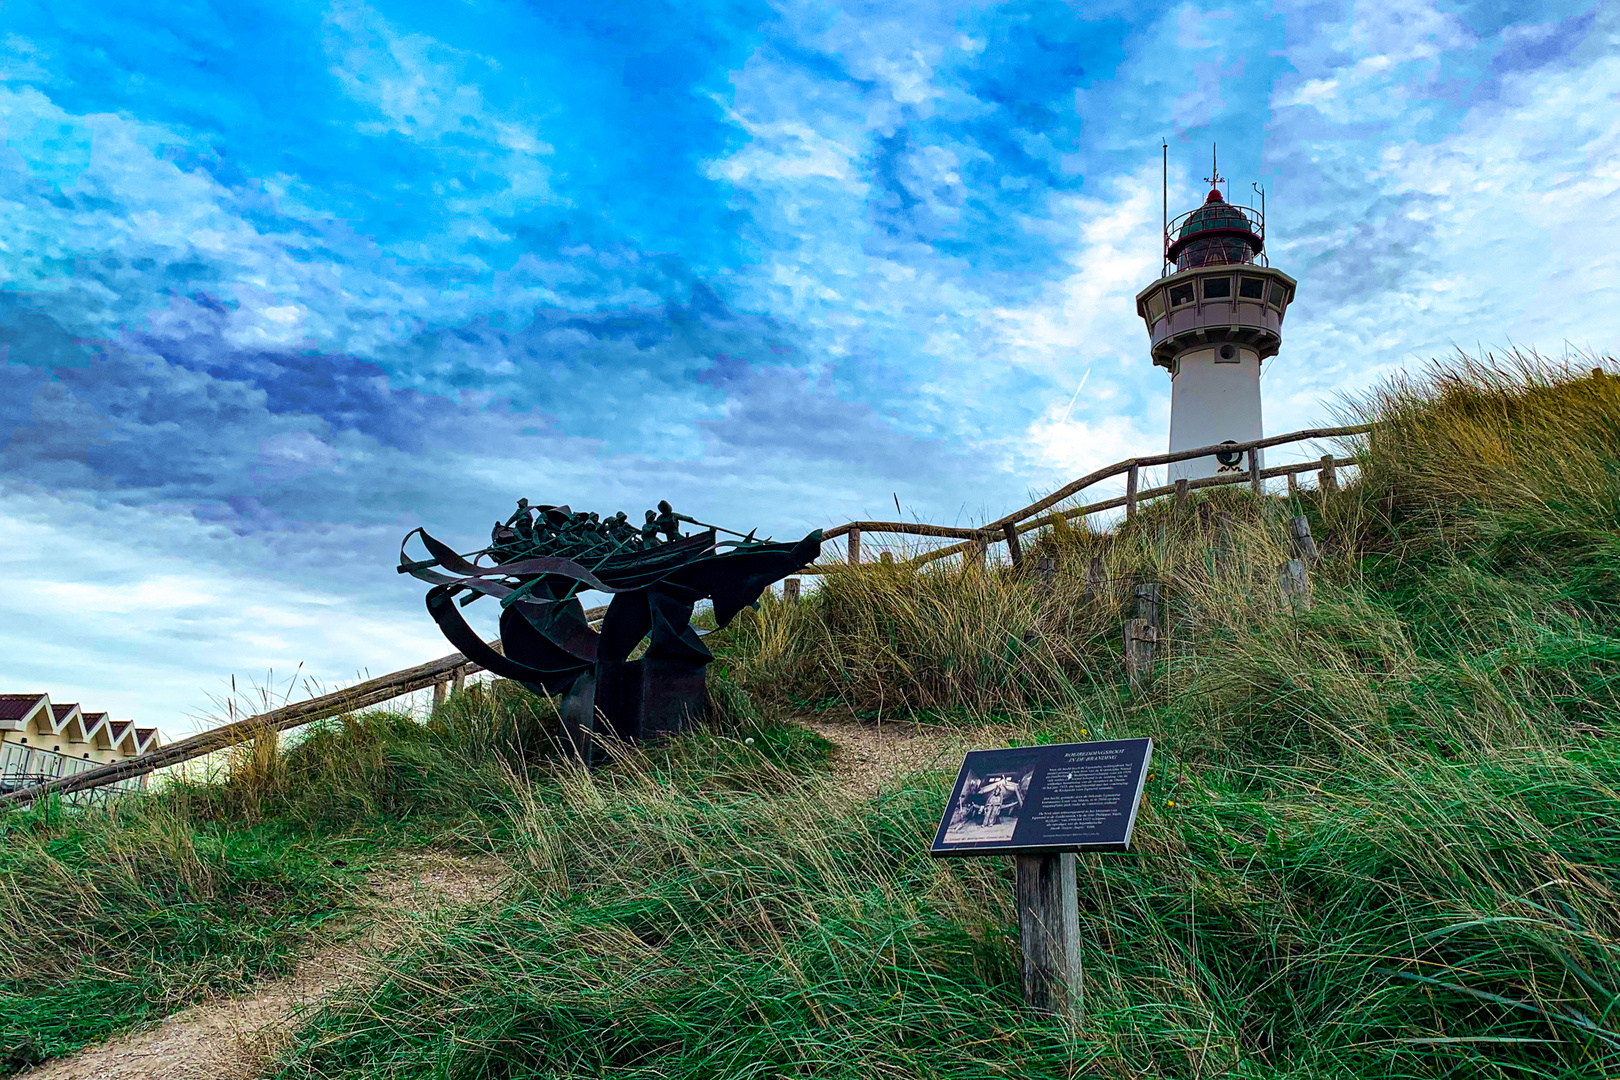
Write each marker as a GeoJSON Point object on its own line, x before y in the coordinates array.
{"type": "Point", "coordinates": [1147, 602]}
{"type": "Point", "coordinates": [1141, 641]}
{"type": "Point", "coordinates": [981, 550]}
{"type": "Point", "coordinates": [1330, 474]}
{"type": "Point", "coordinates": [886, 558]}
{"type": "Point", "coordinates": [1147, 635]}
{"type": "Point", "coordinates": [854, 547]}
{"type": "Point", "coordinates": [1049, 933]}
{"type": "Point", "coordinates": [1225, 543]}
{"type": "Point", "coordinates": [1094, 578]}
{"type": "Point", "coordinates": [1304, 543]}
{"type": "Point", "coordinates": [1015, 550]}
{"type": "Point", "coordinates": [1295, 583]}
{"type": "Point", "coordinates": [790, 590]}
{"type": "Point", "coordinates": [1046, 573]}
{"type": "Point", "coordinates": [1183, 490]}
{"type": "Point", "coordinates": [438, 694]}
{"type": "Point", "coordinates": [459, 683]}
{"type": "Point", "coordinates": [1255, 485]}
{"type": "Point", "coordinates": [1293, 485]}
{"type": "Point", "coordinates": [1131, 479]}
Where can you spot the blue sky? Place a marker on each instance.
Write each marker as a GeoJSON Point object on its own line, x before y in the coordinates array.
{"type": "Point", "coordinates": [280, 282]}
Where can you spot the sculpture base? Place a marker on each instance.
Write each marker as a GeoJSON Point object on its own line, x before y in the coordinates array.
{"type": "Point", "coordinates": [632, 700]}
{"type": "Point", "coordinates": [577, 711]}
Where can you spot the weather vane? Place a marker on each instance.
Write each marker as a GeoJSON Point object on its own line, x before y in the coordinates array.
{"type": "Point", "coordinates": [1214, 178]}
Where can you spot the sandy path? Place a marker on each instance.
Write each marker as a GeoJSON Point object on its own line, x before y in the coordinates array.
{"type": "Point", "coordinates": [236, 1038]}
{"type": "Point", "coordinates": [871, 757]}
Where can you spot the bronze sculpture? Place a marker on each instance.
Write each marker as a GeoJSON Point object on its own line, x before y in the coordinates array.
{"type": "Point", "coordinates": [540, 558]}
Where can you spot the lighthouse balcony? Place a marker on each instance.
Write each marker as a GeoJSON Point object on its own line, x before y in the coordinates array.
{"type": "Point", "coordinates": [1244, 304]}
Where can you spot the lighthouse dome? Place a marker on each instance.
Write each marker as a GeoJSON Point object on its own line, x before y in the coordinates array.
{"type": "Point", "coordinates": [1216, 233]}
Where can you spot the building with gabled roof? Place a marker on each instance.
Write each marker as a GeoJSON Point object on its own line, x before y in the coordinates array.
{"type": "Point", "coordinates": [40, 740]}
{"type": "Point", "coordinates": [22, 713]}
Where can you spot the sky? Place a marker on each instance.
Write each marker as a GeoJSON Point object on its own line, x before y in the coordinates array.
{"type": "Point", "coordinates": [282, 282]}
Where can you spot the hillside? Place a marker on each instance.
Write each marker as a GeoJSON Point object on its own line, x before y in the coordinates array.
{"type": "Point", "coordinates": [1382, 836]}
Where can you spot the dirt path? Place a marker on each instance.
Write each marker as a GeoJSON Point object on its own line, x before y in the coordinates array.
{"type": "Point", "coordinates": [236, 1038]}
{"type": "Point", "coordinates": [870, 757]}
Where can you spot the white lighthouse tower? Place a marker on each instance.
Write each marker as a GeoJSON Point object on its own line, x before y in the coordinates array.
{"type": "Point", "coordinates": [1213, 318]}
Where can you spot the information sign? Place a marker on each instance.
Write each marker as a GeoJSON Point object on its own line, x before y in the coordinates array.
{"type": "Point", "coordinates": [1064, 797]}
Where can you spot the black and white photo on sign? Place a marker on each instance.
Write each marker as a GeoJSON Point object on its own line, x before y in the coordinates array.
{"type": "Point", "coordinates": [987, 807]}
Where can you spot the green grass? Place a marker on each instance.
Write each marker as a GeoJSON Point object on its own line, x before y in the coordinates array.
{"type": "Point", "coordinates": [1381, 838]}
{"type": "Point", "coordinates": [1291, 923]}
{"type": "Point", "coordinates": [116, 917]}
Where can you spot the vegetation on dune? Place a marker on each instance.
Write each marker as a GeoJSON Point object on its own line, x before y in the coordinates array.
{"type": "Point", "coordinates": [1382, 835]}
{"type": "Point", "coordinates": [664, 927]}
{"type": "Point", "coordinates": [1380, 841]}
{"type": "Point", "coordinates": [116, 917]}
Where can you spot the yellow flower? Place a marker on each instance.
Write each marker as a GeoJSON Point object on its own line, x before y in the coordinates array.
{"type": "Point", "coordinates": [1169, 802]}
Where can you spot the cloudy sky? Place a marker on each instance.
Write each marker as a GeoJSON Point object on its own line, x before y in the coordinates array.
{"type": "Point", "coordinates": [284, 281]}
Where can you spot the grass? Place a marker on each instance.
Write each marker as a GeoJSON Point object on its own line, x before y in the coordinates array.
{"type": "Point", "coordinates": [116, 917]}
{"type": "Point", "coordinates": [1381, 839]}
{"type": "Point", "coordinates": [1312, 926]}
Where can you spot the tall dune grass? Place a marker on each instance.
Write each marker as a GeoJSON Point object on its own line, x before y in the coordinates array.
{"type": "Point", "coordinates": [116, 916]}
{"type": "Point", "coordinates": [1467, 591]}
{"type": "Point", "coordinates": [1408, 917]}
{"type": "Point", "coordinates": [1380, 838]}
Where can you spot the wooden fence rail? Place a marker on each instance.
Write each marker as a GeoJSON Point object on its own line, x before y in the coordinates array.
{"type": "Point", "coordinates": [456, 667]}
{"type": "Point", "coordinates": [1123, 467]}
{"type": "Point", "coordinates": [1245, 477]}
{"type": "Point", "coordinates": [1008, 528]}
{"type": "Point", "coordinates": [436, 673]}
{"type": "Point", "coordinates": [359, 696]}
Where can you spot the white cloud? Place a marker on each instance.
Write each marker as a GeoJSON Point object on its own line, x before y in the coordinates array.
{"type": "Point", "coordinates": [105, 606]}
{"type": "Point", "coordinates": [428, 92]}
{"type": "Point", "coordinates": [1521, 243]}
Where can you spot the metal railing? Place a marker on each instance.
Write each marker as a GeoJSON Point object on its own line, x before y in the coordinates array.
{"type": "Point", "coordinates": [23, 766]}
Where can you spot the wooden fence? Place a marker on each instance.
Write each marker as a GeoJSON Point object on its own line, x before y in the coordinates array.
{"type": "Point", "coordinates": [371, 692]}
{"type": "Point", "coordinates": [1009, 528]}
{"type": "Point", "coordinates": [452, 670]}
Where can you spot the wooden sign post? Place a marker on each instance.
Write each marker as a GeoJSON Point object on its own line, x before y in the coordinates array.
{"type": "Point", "coordinates": [1042, 804]}
{"type": "Point", "coordinates": [1049, 932]}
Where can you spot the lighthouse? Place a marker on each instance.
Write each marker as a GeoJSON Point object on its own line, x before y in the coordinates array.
{"type": "Point", "coordinates": [1213, 317]}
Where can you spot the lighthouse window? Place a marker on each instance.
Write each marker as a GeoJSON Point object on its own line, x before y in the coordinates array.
{"type": "Point", "coordinates": [1217, 288]}
{"type": "Point", "coordinates": [1252, 288]}
{"type": "Point", "coordinates": [1155, 307]}
{"type": "Point", "coordinates": [1181, 294]}
{"type": "Point", "coordinates": [1277, 294]}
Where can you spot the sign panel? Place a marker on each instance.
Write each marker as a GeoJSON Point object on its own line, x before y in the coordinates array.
{"type": "Point", "coordinates": [1065, 797]}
